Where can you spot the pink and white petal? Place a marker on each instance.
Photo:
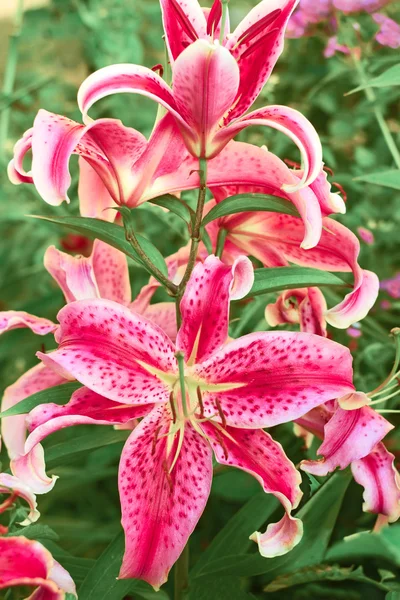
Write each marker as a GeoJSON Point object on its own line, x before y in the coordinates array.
{"type": "Point", "coordinates": [353, 400]}
{"type": "Point", "coordinates": [184, 22]}
{"type": "Point", "coordinates": [13, 429]}
{"type": "Point", "coordinates": [294, 125]}
{"type": "Point", "coordinates": [74, 274]}
{"type": "Point", "coordinates": [282, 375]}
{"type": "Point", "coordinates": [255, 452]}
{"type": "Point", "coordinates": [126, 78]}
{"type": "Point", "coordinates": [110, 269]}
{"type": "Point", "coordinates": [380, 479]}
{"type": "Point", "coordinates": [15, 170]}
{"type": "Point", "coordinates": [16, 487]}
{"type": "Point", "coordinates": [329, 202]}
{"type": "Point", "coordinates": [256, 44]}
{"type": "Point", "coordinates": [160, 509]}
{"type": "Point", "coordinates": [84, 408]}
{"type": "Point", "coordinates": [348, 436]}
{"type": "Point", "coordinates": [279, 538]}
{"type": "Point", "coordinates": [357, 304]}
{"type": "Point", "coordinates": [315, 420]}
{"type": "Point", "coordinates": [31, 469]}
{"type": "Point", "coordinates": [163, 314]}
{"type": "Point", "coordinates": [312, 312]}
{"type": "Point", "coordinates": [205, 305]}
{"type": "Point", "coordinates": [19, 319]}
{"type": "Point", "coordinates": [200, 73]}
{"type": "Point", "coordinates": [94, 198]}
{"type": "Point", "coordinates": [112, 351]}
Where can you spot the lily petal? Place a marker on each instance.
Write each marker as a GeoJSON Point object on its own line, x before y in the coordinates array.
{"type": "Point", "coordinates": [205, 305]}
{"type": "Point", "coordinates": [111, 273]}
{"type": "Point", "coordinates": [200, 73]}
{"type": "Point", "coordinates": [19, 319]}
{"type": "Point", "coordinates": [15, 487]}
{"type": "Point", "coordinates": [255, 452]}
{"type": "Point", "coordinates": [31, 469]}
{"type": "Point", "coordinates": [160, 506]}
{"type": "Point", "coordinates": [15, 170]}
{"type": "Point", "coordinates": [304, 306]}
{"type": "Point", "coordinates": [103, 345]}
{"type": "Point", "coordinates": [283, 376]}
{"type": "Point", "coordinates": [294, 125]}
{"type": "Point", "coordinates": [13, 429]}
{"type": "Point", "coordinates": [73, 274]}
{"type": "Point", "coordinates": [183, 22]}
{"type": "Point", "coordinates": [94, 198]}
{"type": "Point", "coordinates": [256, 44]}
{"type": "Point", "coordinates": [348, 436]}
{"type": "Point", "coordinates": [378, 475]}
{"type": "Point", "coordinates": [163, 314]}
{"type": "Point", "coordinates": [84, 408]}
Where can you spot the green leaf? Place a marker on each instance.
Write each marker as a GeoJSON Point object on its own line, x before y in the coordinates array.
{"type": "Point", "coordinates": [59, 394]}
{"type": "Point", "coordinates": [234, 537]}
{"type": "Point", "coordinates": [388, 78]}
{"type": "Point", "coordinates": [390, 179]}
{"type": "Point", "coordinates": [36, 531]}
{"type": "Point", "coordinates": [322, 573]}
{"type": "Point", "coordinates": [383, 545]}
{"type": "Point", "coordinates": [101, 581]}
{"type": "Point", "coordinates": [249, 202]}
{"type": "Point", "coordinates": [111, 234]}
{"type": "Point", "coordinates": [286, 278]}
{"type": "Point", "coordinates": [319, 516]}
{"type": "Point", "coordinates": [218, 588]}
{"type": "Point", "coordinates": [62, 452]}
{"type": "Point", "coordinates": [175, 205]}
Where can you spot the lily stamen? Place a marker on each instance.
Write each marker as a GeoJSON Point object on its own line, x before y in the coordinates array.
{"type": "Point", "coordinates": [220, 412]}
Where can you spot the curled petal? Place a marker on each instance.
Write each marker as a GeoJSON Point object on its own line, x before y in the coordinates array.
{"type": "Point", "coordinates": [378, 475]}
{"type": "Point", "coordinates": [112, 351]}
{"type": "Point", "coordinates": [17, 319]}
{"type": "Point", "coordinates": [348, 436]}
{"type": "Point", "coordinates": [74, 274]}
{"type": "Point", "coordinates": [15, 487]}
{"type": "Point", "coordinates": [302, 370]}
{"type": "Point", "coordinates": [111, 273]}
{"type": "Point", "coordinates": [357, 304]}
{"type": "Point", "coordinates": [330, 202]}
{"type": "Point", "coordinates": [183, 23]}
{"type": "Point", "coordinates": [94, 198]}
{"type": "Point", "coordinates": [199, 74]}
{"type": "Point", "coordinates": [304, 306]}
{"type": "Point", "coordinates": [15, 170]}
{"type": "Point", "coordinates": [279, 538]}
{"type": "Point", "coordinates": [13, 429]}
{"type": "Point", "coordinates": [31, 469]}
{"type": "Point", "coordinates": [294, 125]}
{"type": "Point", "coordinates": [256, 44]}
{"type": "Point", "coordinates": [161, 502]}
{"type": "Point", "coordinates": [84, 408]}
{"type": "Point", "coordinates": [353, 400]}
{"type": "Point", "coordinates": [205, 305]}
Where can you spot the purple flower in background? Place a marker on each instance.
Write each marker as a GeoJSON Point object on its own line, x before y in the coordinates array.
{"type": "Point", "coordinates": [389, 32]}
{"type": "Point", "coordinates": [366, 235]}
{"type": "Point", "coordinates": [333, 46]}
{"type": "Point", "coordinates": [392, 286]}
{"type": "Point", "coordinates": [351, 6]}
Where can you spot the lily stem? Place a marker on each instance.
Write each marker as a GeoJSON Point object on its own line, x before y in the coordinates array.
{"type": "Point", "coordinates": [195, 237]}
{"type": "Point", "coordinates": [371, 96]}
{"type": "Point", "coordinates": [182, 574]}
{"type": "Point", "coordinates": [9, 75]}
{"type": "Point", "coordinates": [155, 271]}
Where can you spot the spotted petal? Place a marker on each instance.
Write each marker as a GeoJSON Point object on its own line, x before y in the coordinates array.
{"type": "Point", "coordinates": [160, 507]}
{"type": "Point", "coordinates": [279, 377]}
{"type": "Point", "coordinates": [184, 22]}
{"type": "Point", "coordinates": [17, 319]}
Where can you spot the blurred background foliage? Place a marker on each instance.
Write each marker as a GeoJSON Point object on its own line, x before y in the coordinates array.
{"type": "Point", "coordinates": [59, 44]}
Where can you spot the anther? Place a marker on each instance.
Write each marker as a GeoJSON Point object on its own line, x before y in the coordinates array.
{"type": "Point", "coordinates": [341, 190]}
{"type": "Point", "coordinates": [200, 400]}
{"type": "Point", "coordinates": [292, 163]}
{"type": "Point", "coordinates": [220, 412]}
{"type": "Point", "coordinates": [155, 439]}
{"type": "Point", "coordinates": [158, 69]}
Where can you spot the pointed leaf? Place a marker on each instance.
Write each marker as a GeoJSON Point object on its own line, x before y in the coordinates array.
{"type": "Point", "coordinates": [250, 202]}
{"type": "Point", "coordinates": [175, 205]}
{"type": "Point", "coordinates": [390, 179]}
{"type": "Point", "coordinates": [287, 278]}
{"type": "Point", "coordinates": [59, 394]}
{"type": "Point", "coordinates": [388, 78]}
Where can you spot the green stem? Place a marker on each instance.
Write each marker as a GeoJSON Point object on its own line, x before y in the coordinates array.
{"type": "Point", "coordinates": [182, 574]}
{"type": "Point", "coordinates": [223, 20]}
{"type": "Point", "coordinates": [9, 75]}
{"type": "Point", "coordinates": [195, 237]}
{"type": "Point", "coordinates": [181, 367]}
{"type": "Point", "coordinates": [153, 270]}
{"type": "Point", "coordinates": [371, 96]}
{"type": "Point", "coordinates": [222, 233]}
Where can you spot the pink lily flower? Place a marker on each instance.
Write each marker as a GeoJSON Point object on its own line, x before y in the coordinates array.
{"type": "Point", "coordinates": [392, 286]}
{"type": "Point", "coordinates": [306, 307]}
{"type": "Point", "coordinates": [199, 395]}
{"type": "Point", "coordinates": [240, 65]}
{"type": "Point", "coordinates": [25, 562]}
{"type": "Point", "coordinates": [389, 31]}
{"type": "Point", "coordinates": [275, 240]}
{"type": "Point", "coordinates": [353, 437]}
